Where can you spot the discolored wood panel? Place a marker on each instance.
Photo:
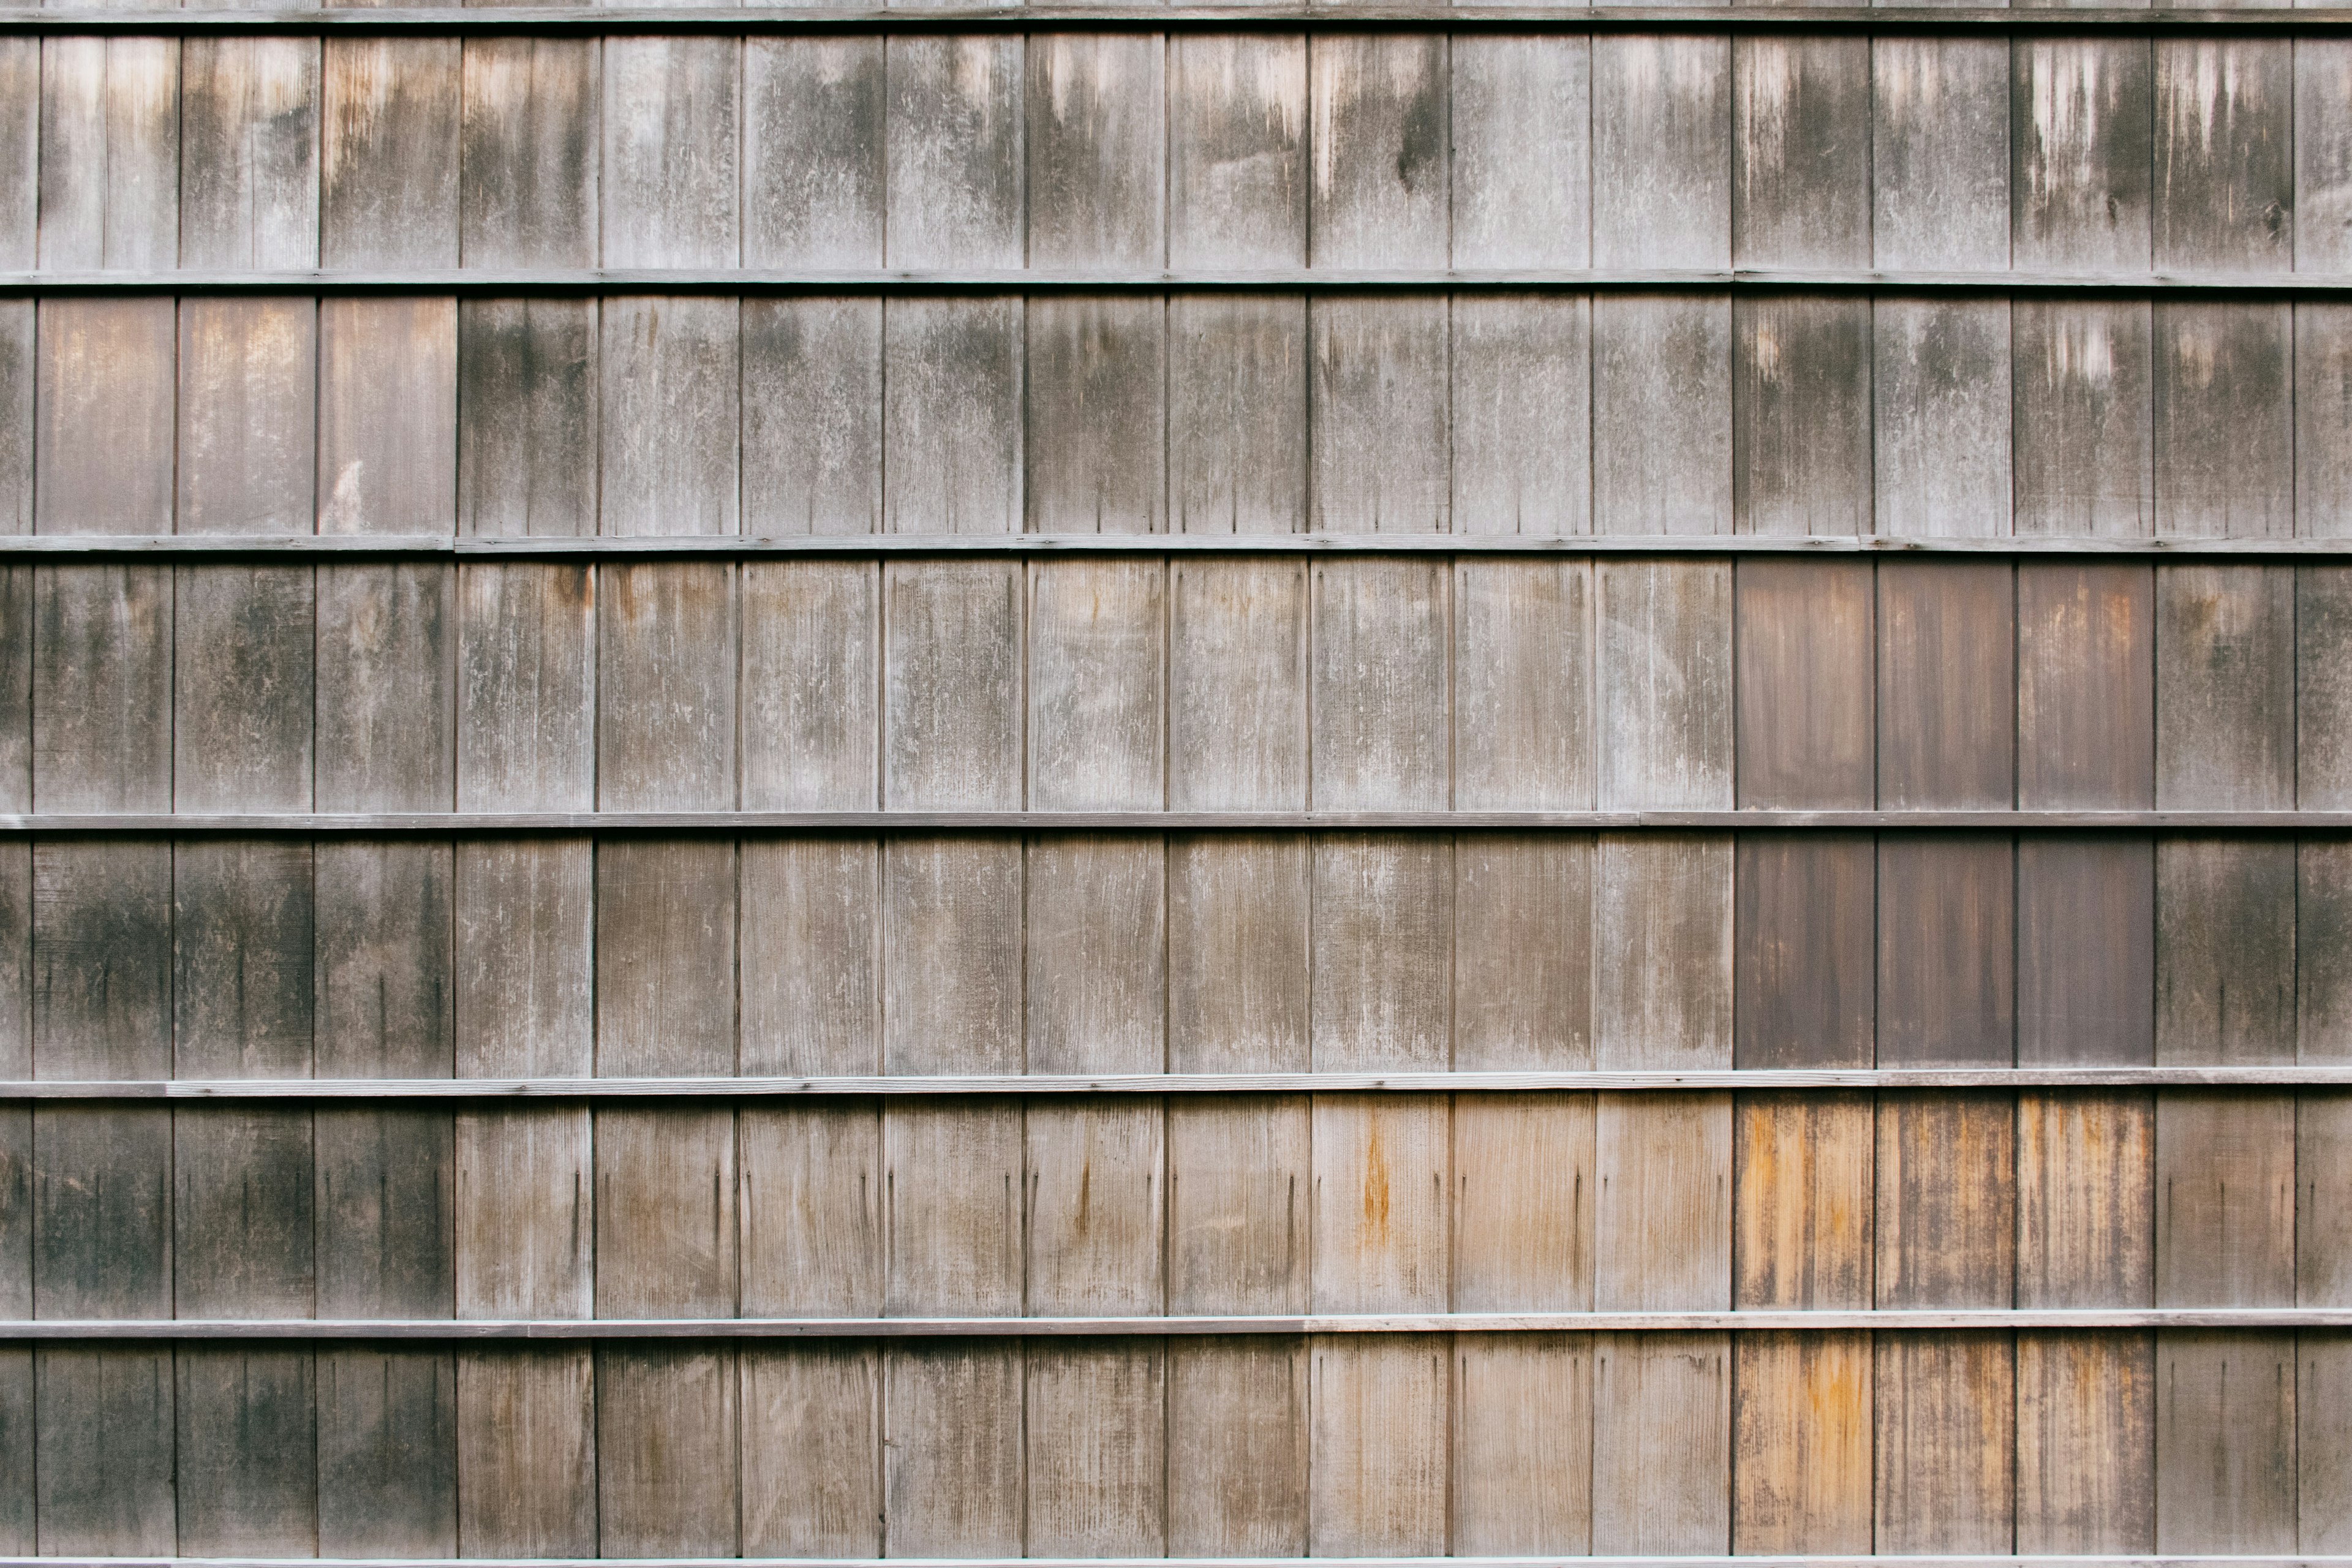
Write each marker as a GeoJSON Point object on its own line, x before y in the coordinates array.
{"type": "Point", "coordinates": [1803, 641]}
{"type": "Point", "coordinates": [1805, 962]}
{"type": "Point", "coordinates": [1804, 1176]}
{"type": "Point", "coordinates": [1948, 1196]}
{"type": "Point", "coordinates": [1662, 1436]}
{"type": "Point", "coordinates": [2085, 1199]}
{"type": "Point", "coordinates": [2086, 1436]}
{"type": "Point", "coordinates": [1380, 1456]}
{"type": "Point", "coordinates": [1946, 1441]}
{"type": "Point", "coordinates": [1802, 1429]}
{"type": "Point", "coordinates": [1522, 1444]}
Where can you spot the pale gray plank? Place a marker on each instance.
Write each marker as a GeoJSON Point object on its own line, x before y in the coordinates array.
{"type": "Point", "coordinates": [528, 416]}
{"type": "Point", "coordinates": [1523, 941]}
{"type": "Point", "coordinates": [1237, 731]}
{"type": "Point", "coordinates": [813, 153]}
{"type": "Point", "coordinates": [526, 916]}
{"type": "Point", "coordinates": [670, 186]}
{"type": "Point", "coordinates": [1096, 137]}
{"type": "Point", "coordinates": [1097, 977]}
{"type": "Point", "coordinates": [1662, 974]}
{"type": "Point", "coordinates": [1662, 1442]}
{"type": "Point", "coordinates": [2224, 196]}
{"type": "Point", "coordinates": [2085, 417]}
{"type": "Point", "coordinates": [1096, 1456]}
{"type": "Point", "coordinates": [666, 1213]}
{"type": "Point", "coordinates": [386, 699]}
{"type": "Point", "coordinates": [666, 957]}
{"type": "Point", "coordinates": [952, 439]}
{"type": "Point", "coordinates": [2323, 1446]}
{"type": "Point", "coordinates": [1378, 104]}
{"type": "Point", "coordinates": [808, 966]}
{"type": "Point", "coordinates": [953, 732]}
{"type": "Point", "coordinates": [104, 365]}
{"type": "Point", "coordinates": [1237, 443]}
{"type": "Point", "coordinates": [1379, 416]}
{"type": "Point", "coordinates": [953, 1449]}
{"type": "Point", "coordinates": [1801, 415]}
{"type": "Point", "coordinates": [242, 675]}
{"type": "Point", "coordinates": [1238, 1447]}
{"type": "Point", "coordinates": [1661, 136]}
{"type": "Point", "coordinates": [525, 1219]}
{"type": "Point", "coordinates": [1663, 1218]}
{"type": "Point", "coordinates": [1237, 176]}
{"type": "Point", "coordinates": [2323, 945]}
{"type": "Point", "coordinates": [110, 165]}
{"type": "Point", "coordinates": [812, 1212]}
{"type": "Point", "coordinates": [529, 144]}
{"type": "Point", "coordinates": [1238, 1222]}
{"type": "Point", "coordinates": [1521, 127]}
{"type": "Point", "coordinates": [387, 415]}
{"type": "Point", "coordinates": [1381, 940]}
{"type": "Point", "coordinates": [527, 687]}
{"type": "Point", "coordinates": [1664, 684]}
{"type": "Point", "coordinates": [671, 441]}
{"type": "Point", "coordinates": [1523, 1444]}
{"type": "Point", "coordinates": [389, 160]}
{"type": "Point", "coordinates": [2083, 148]}
{"type": "Point", "coordinates": [1380, 1449]}
{"type": "Point", "coordinates": [1378, 685]}
{"type": "Point", "coordinates": [249, 152]}
{"type": "Point", "coordinates": [1096, 437]}
{"type": "Point", "coordinates": [1524, 1184]}
{"type": "Point", "coordinates": [248, 379]}
{"type": "Point", "coordinates": [1662, 413]}
{"type": "Point", "coordinates": [20, 153]}
{"type": "Point", "coordinates": [953, 138]}
{"type": "Point", "coordinates": [2225, 1198]}
{"type": "Point", "coordinates": [812, 415]}
{"type": "Point", "coordinates": [2322, 144]}
{"type": "Point", "coordinates": [952, 1209]}
{"type": "Point", "coordinates": [1382, 1218]}
{"type": "Point", "coordinates": [1522, 414]}
{"type": "Point", "coordinates": [1940, 152]}
{"type": "Point", "coordinates": [952, 955]}
{"type": "Point", "coordinates": [812, 1447]}
{"type": "Point", "coordinates": [19, 367]}
{"type": "Point", "coordinates": [1800, 147]}
{"type": "Point", "coordinates": [1097, 683]}
{"type": "Point", "coordinates": [1941, 418]}
{"type": "Point", "coordinates": [2223, 390]}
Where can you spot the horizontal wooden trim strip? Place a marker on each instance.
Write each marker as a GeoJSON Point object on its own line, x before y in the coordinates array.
{"type": "Point", "coordinates": [704, 823]}
{"type": "Point", "coordinates": [1680, 1560]}
{"type": "Point", "coordinates": [499, 282]}
{"type": "Point", "coordinates": [2296, 1076]}
{"type": "Point", "coordinates": [589, 21]}
{"type": "Point", "coordinates": [461, 1330]}
{"type": "Point", "coordinates": [892, 546]}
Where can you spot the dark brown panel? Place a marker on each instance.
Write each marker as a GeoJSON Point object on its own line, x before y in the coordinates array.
{"type": "Point", "coordinates": [1803, 960]}
{"type": "Point", "coordinates": [1947, 685]}
{"type": "Point", "coordinates": [2086, 687]}
{"type": "Point", "coordinates": [1804, 656]}
{"type": "Point", "coordinates": [2085, 951]}
{"type": "Point", "coordinates": [1947, 953]}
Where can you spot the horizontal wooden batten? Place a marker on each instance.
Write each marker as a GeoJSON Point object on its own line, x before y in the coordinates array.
{"type": "Point", "coordinates": [693, 823]}
{"type": "Point", "coordinates": [39, 547]}
{"type": "Point", "coordinates": [481, 282]}
{"type": "Point", "coordinates": [82, 1330]}
{"type": "Point", "coordinates": [623, 20]}
{"type": "Point", "coordinates": [1680, 1560]}
{"type": "Point", "coordinates": [2301, 1076]}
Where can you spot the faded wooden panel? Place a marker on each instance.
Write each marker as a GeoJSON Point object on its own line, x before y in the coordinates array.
{"type": "Point", "coordinates": [102, 960]}
{"type": "Point", "coordinates": [387, 415]}
{"type": "Point", "coordinates": [2083, 148]}
{"type": "Point", "coordinates": [249, 383]}
{"type": "Point", "coordinates": [2085, 1442]}
{"type": "Point", "coordinates": [953, 1210]}
{"type": "Point", "coordinates": [2225, 987]}
{"type": "Point", "coordinates": [2225, 1425]}
{"type": "Point", "coordinates": [2085, 1199]}
{"type": "Point", "coordinates": [1806, 959]}
{"type": "Point", "coordinates": [104, 1433]}
{"type": "Point", "coordinates": [1939, 164]}
{"type": "Point", "coordinates": [1663, 1217]}
{"type": "Point", "coordinates": [1663, 983]}
{"type": "Point", "coordinates": [2224, 195]}
{"type": "Point", "coordinates": [1524, 1188]}
{"type": "Point", "coordinates": [952, 1446]}
{"type": "Point", "coordinates": [813, 156]}
{"type": "Point", "coordinates": [1948, 1199]}
{"type": "Point", "coordinates": [665, 946]}
{"type": "Point", "coordinates": [672, 128]}
{"type": "Point", "coordinates": [811, 1446]}
{"type": "Point", "coordinates": [1805, 633]}
{"type": "Point", "coordinates": [672, 429]}
{"type": "Point", "coordinates": [1095, 426]}
{"type": "Point", "coordinates": [386, 700]}
{"type": "Point", "coordinates": [111, 128]}
{"type": "Point", "coordinates": [952, 955]}
{"type": "Point", "coordinates": [1378, 109]}
{"type": "Point", "coordinates": [242, 1213]}
{"type": "Point", "coordinates": [1946, 1444]}
{"type": "Point", "coordinates": [953, 134]}
{"type": "Point", "coordinates": [666, 1451]}
{"type": "Point", "coordinates": [19, 369]}
{"type": "Point", "coordinates": [2323, 1173]}
{"type": "Point", "coordinates": [1097, 1175]}
{"type": "Point", "coordinates": [1947, 950]}
{"type": "Point", "coordinates": [1947, 685]}
{"type": "Point", "coordinates": [1381, 940]}
{"type": "Point", "coordinates": [2322, 155]}
{"type": "Point", "coordinates": [242, 688]}
{"type": "Point", "coordinates": [1523, 721]}
{"type": "Point", "coordinates": [1096, 134]}
{"type": "Point", "coordinates": [1661, 126]}
{"type": "Point", "coordinates": [1237, 178]}
{"type": "Point", "coordinates": [1097, 979]}
{"type": "Point", "coordinates": [248, 153]}
{"type": "Point", "coordinates": [2086, 687]}
{"type": "Point", "coordinates": [665, 1217]}
{"type": "Point", "coordinates": [2323, 413]}
{"type": "Point", "coordinates": [2323, 951]}
{"type": "Point", "coordinates": [527, 1450]}
{"type": "Point", "coordinates": [1097, 1448]}
{"type": "Point", "coordinates": [1662, 412]}
{"type": "Point", "coordinates": [2225, 1199]}
{"type": "Point", "coordinates": [1803, 1183]}
{"type": "Point", "coordinates": [2225, 687]}
{"type": "Point", "coordinates": [526, 431]}
{"type": "Point", "coordinates": [526, 916]}
{"type": "Point", "coordinates": [247, 1462]}
{"type": "Point", "coordinates": [243, 951]}
{"type": "Point", "coordinates": [812, 1216]}
{"type": "Point", "coordinates": [1237, 441]}
{"type": "Point", "coordinates": [1237, 1207]}
{"type": "Point", "coordinates": [952, 370]}
{"type": "Point", "coordinates": [1098, 682]}
{"type": "Point", "coordinates": [526, 688]}
{"type": "Point", "coordinates": [20, 152]}
{"type": "Point", "coordinates": [2323, 695]}
{"type": "Point", "coordinates": [1800, 149]}
{"type": "Point", "coordinates": [1522, 952]}
{"type": "Point", "coordinates": [1801, 1423]}
{"type": "Point", "coordinates": [1378, 698]}
{"type": "Point", "coordinates": [1379, 1462]}
{"type": "Point", "coordinates": [104, 366]}
{"type": "Point", "coordinates": [1801, 415]}
{"type": "Point", "coordinates": [389, 157]}
{"type": "Point", "coordinates": [1521, 402]}
{"type": "Point", "coordinates": [525, 1215]}
{"type": "Point", "coordinates": [1379, 421]}
{"type": "Point", "coordinates": [2085, 418]}
{"type": "Point", "coordinates": [1665, 686]}
{"type": "Point", "coordinates": [1237, 1443]}
{"type": "Point", "coordinates": [1520, 120]}
{"type": "Point", "coordinates": [811, 415]}
{"type": "Point", "coordinates": [387, 1450]}
{"type": "Point", "coordinates": [1381, 1214]}
{"type": "Point", "coordinates": [810, 955]}
{"type": "Point", "coordinates": [1941, 417]}
{"type": "Point", "coordinates": [2323, 1446]}
{"type": "Point", "coordinates": [1662, 1442]}
{"type": "Point", "coordinates": [2223, 392]}
{"type": "Point", "coordinates": [1522, 1444]}
{"type": "Point", "coordinates": [527, 137]}
{"type": "Point", "coordinates": [16, 1436]}
{"type": "Point", "coordinates": [102, 1211]}
{"type": "Point", "coordinates": [1237, 728]}
{"type": "Point", "coordinates": [16, 658]}
{"type": "Point", "coordinates": [385, 1207]}
{"type": "Point", "coordinates": [15, 1265]}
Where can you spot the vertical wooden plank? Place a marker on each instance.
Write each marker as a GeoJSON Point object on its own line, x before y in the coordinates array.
{"type": "Point", "coordinates": [1941, 421]}
{"type": "Point", "coordinates": [1662, 413]}
{"type": "Point", "coordinates": [1097, 132]}
{"type": "Point", "coordinates": [1237, 1212]}
{"type": "Point", "coordinates": [953, 1448]}
{"type": "Point", "coordinates": [386, 662]}
{"type": "Point", "coordinates": [1381, 1214]}
{"type": "Point", "coordinates": [2323, 697]}
{"type": "Point", "coordinates": [104, 1435]}
{"type": "Point", "coordinates": [952, 1211]}
{"type": "Point", "coordinates": [2084, 423]}
{"type": "Point", "coordinates": [1095, 436]}
{"type": "Point", "coordinates": [811, 395]}
{"type": "Point", "coordinates": [1939, 163]}
{"type": "Point", "coordinates": [103, 1213]}
{"type": "Point", "coordinates": [2323, 1164]}
{"type": "Point", "coordinates": [527, 686]}
{"type": "Point", "coordinates": [389, 157]}
{"type": "Point", "coordinates": [1524, 1181]}
{"type": "Point", "coordinates": [246, 1459]}
{"type": "Point", "coordinates": [2224, 192]}
{"type": "Point", "coordinates": [528, 148]}
{"type": "Point", "coordinates": [1948, 1199]}
{"type": "Point", "coordinates": [1379, 1455]}
{"type": "Point", "coordinates": [2223, 390]}
{"type": "Point", "coordinates": [812, 1441]}
{"type": "Point", "coordinates": [2085, 1200]}
{"type": "Point", "coordinates": [2323, 943]}
{"type": "Point", "coordinates": [1523, 941]}
{"type": "Point", "coordinates": [2322, 407]}
{"type": "Point", "coordinates": [385, 1212]}
{"type": "Point", "coordinates": [951, 440]}
{"type": "Point", "coordinates": [1237, 411]}
{"type": "Point", "coordinates": [1237, 177]}
{"type": "Point", "coordinates": [1804, 969]}
{"type": "Point", "coordinates": [1096, 1177]}
{"type": "Point", "coordinates": [1946, 1442]}
{"type": "Point", "coordinates": [1666, 684]}
{"type": "Point", "coordinates": [19, 369]}
{"type": "Point", "coordinates": [953, 133]}
{"type": "Point", "coordinates": [1382, 939]}
{"type": "Point", "coordinates": [2225, 1427]}
{"type": "Point", "coordinates": [2225, 687]}
{"type": "Point", "coordinates": [2085, 1442]}
{"type": "Point", "coordinates": [1947, 685]}
{"type": "Point", "coordinates": [527, 456]}
{"type": "Point", "coordinates": [1947, 950]}
{"type": "Point", "coordinates": [2086, 687]}
{"type": "Point", "coordinates": [1663, 1221]}
{"type": "Point", "coordinates": [20, 152]}
{"type": "Point", "coordinates": [15, 1248]}
{"type": "Point", "coordinates": [242, 949]}
{"type": "Point", "coordinates": [1238, 1446]}
{"type": "Point", "coordinates": [249, 152]}
{"type": "Point", "coordinates": [1800, 147]}
{"type": "Point", "coordinates": [1661, 112]}
{"type": "Point", "coordinates": [1521, 132]}
{"type": "Point", "coordinates": [2225, 986]}
{"type": "Point", "coordinates": [1379, 416]}
{"type": "Point", "coordinates": [242, 1213]}
{"type": "Point", "coordinates": [671, 436]}
{"type": "Point", "coordinates": [2321, 1444]}
{"type": "Point", "coordinates": [387, 1450]}
{"type": "Point", "coordinates": [1804, 636]}
{"type": "Point", "coordinates": [1801, 415]}
{"type": "Point", "coordinates": [526, 919]}
{"type": "Point", "coordinates": [1097, 1458]}
{"type": "Point", "coordinates": [387, 415]}
{"type": "Point", "coordinates": [812, 1210]}
{"type": "Point", "coordinates": [1663, 985]}
{"type": "Point", "coordinates": [527, 1450]}
{"type": "Point", "coordinates": [811, 993]}
{"type": "Point", "coordinates": [525, 1220]}
{"type": "Point", "coordinates": [666, 1451]}
{"type": "Point", "coordinates": [2082, 141]}
{"type": "Point", "coordinates": [951, 965]}
{"type": "Point", "coordinates": [1802, 1203]}
{"type": "Point", "coordinates": [110, 161]}
{"type": "Point", "coordinates": [2225, 1198]}
{"type": "Point", "coordinates": [1237, 727]}
{"type": "Point", "coordinates": [1097, 679]}
{"type": "Point", "coordinates": [665, 1215]}
{"type": "Point", "coordinates": [1523, 717]}
{"type": "Point", "coordinates": [1802, 1443]}
{"type": "Point", "coordinates": [104, 365]}
{"type": "Point", "coordinates": [813, 151]}
{"type": "Point", "coordinates": [1662, 1452]}
{"type": "Point", "coordinates": [1378, 679]}
{"type": "Point", "coordinates": [248, 376]}
{"type": "Point", "coordinates": [1378, 104]}
{"type": "Point", "coordinates": [1522, 1444]}
{"type": "Point", "coordinates": [16, 1434]}
{"type": "Point", "coordinates": [1521, 410]}
{"type": "Point", "coordinates": [670, 181]}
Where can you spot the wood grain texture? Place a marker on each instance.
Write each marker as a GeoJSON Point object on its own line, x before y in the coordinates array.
{"type": "Point", "coordinates": [1804, 636]}
{"type": "Point", "coordinates": [2085, 422]}
{"type": "Point", "coordinates": [17, 1438]}
{"type": "Point", "coordinates": [248, 1465]}
{"type": "Point", "coordinates": [1237, 176]}
{"type": "Point", "coordinates": [1237, 409]}
{"type": "Point", "coordinates": [2086, 1435]}
{"type": "Point", "coordinates": [389, 159]}
{"type": "Point", "coordinates": [249, 152]}
{"type": "Point", "coordinates": [385, 1202]}
{"type": "Point", "coordinates": [387, 415]}
{"type": "Point", "coordinates": [2086, 950]}
{"type": "Point", "coordinates": [1521, 132]}
{"type": "Point", "coordinates": [667, 1224]}
{"type": "Point", "coordinates": [1097, 985]}
{"type": "Point", "coordinates": [2225, 687]}
{"type": "Point", "coordinates": [1663, 1216]}
{"type": "Point", "coordinates": [1239, 1219]}
{"type": "Point", "coordinates": [103, 1213]}
{"type": "Point", "coordinates": [1379, 1447]}
{"type": "Point", "coordinates": [2321, 396]}
{"type": "Point", "coordinates": [1662, 446]}
{"type": "Point", "coordinates": [813, 151]}
{"type": "Point", "coordinates": [1664, 688]}
{"type": "Point", "coordinates": [2320, 1449]}
{"type": "Point", "coordinates": [2224, 194]}
{"type": "Point", "coordinates": [1801, 146]}
{"type": "Point", "coordinates": [2322, 1161]}
{"type": "Point", "coordinates": [809, 955]}
{"type": "Point", "coordinates": [1800, 404]}
{"type": "Point", "coordinates": [1664, 979]}
{"type": "Point", "coordinates": [2085, 1200]}
{"type": "Point", "coordinates": [1522, 1444]}
{"type": "Point", "coordinates": [670, 184]}
{"type": "Point", "coordinates": [1380, 984]}
{"type": "Point", "coordinates": [1523, 685]}
{"type": "Point", "coordinates": [2224, 1198]}
{"type": "Point", "coordinates": [1376, 684]}
{"type": "Point", "coordinates": [2224, 424]}
{"type": "Point", "coordinates": [1802, 1429]}
{"type": "Point", "coordinates": [665, 1451]}
{"type": "Point", "coordinates": [104, 364]}
{"type": "Point", "coordinates": [106, 1429]}
{"type": "Point", "coordinates": [1522, 951]}
{"type": "Point", "coordinates": [527, 454]}
{"type": "Point", "coordinates": [1946, 976]}
{"type": "Point", "coordinates": [953, 129]}
{"type": "Point", "coordinates": [1943, 442]}
{"type": "Point", "coordinates": [952, 1446]}
{"type": "Point", "coordinates": [1661, 112]}
{"type": "Point", "coordinates": [1805, 962]}
{"type": "Point", "coordinates": [1945, 1446]}
{"type": "Point", "coordinates": [530, 1172]}
{"type": "Point", "coordinates": [2082, 148]}
{"type": "Point", "coordinates": [1525, 1184]}
{"type": "Point", "coordinates": [1948, 1199]}
{"type": "Point", "coordinates": [2224, 950]}
{"type": "Point", "coordinates": [1096, 1458]}
{"type": "Point", "coordinates": [111, 130]}
{"type": "Point", "coordinates": [1237, 1445]}
{"type": "Point", "coordinates": [1521, 400]}
{"type": "Point", "coordinates": [2086, 686]}
{"type": "Point", "coordinates": [530, 153]}
{"type": "Point", "coordinates": [1662, 1436]}
{"type": "Point", "coordinates": [1379, 419]}
{"type": "Point", "coordinates": [1097, 1192]}
{"type": "Point", "coordinates": [387, 1460]}
{"type": "Point", "coordinates": [2225, 1423]}
{"type": "Point", "coordinates": [810, 1201]}
{"type": "Point", "coordinates": [952, 1221]}
{"type": "Point", "coordinates": [242, 1213]}
{"type": "Point", "coordinates": [1947, 723]}
{"type": "Point", "coordinates": [1381, 1210]}
{"type": "Point", "coordinates": [671, 378]}
{"type": "Point", "coordinates": [1939, 161]}
{"type": "Point", "coordinates": [1803, 1174]}
{"type": "Point", "coordinates": [811, 1442]}
{"type": "Point", "coordinates": [527, 1449]}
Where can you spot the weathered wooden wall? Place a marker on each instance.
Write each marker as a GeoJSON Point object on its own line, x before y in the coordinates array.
{"type": "Point", "coordinates": [2052, 805]}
